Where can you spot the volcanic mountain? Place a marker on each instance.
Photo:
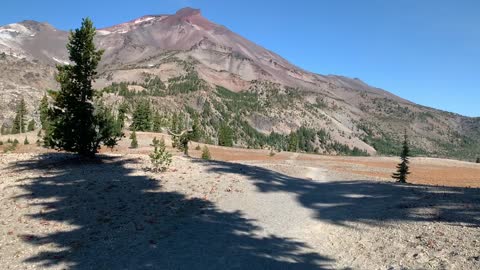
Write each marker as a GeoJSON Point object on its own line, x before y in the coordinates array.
{"type": "Point", "coordinates": [223, 71]}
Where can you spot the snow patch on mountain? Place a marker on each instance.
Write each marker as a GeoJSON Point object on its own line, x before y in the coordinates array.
{"type": "Point", "coordinates": [142, 20]}
{"type": "Point", "coordinates": [17, 29]}
{"type": "Point", "coordinates": [60, 61]}
{"type": "Point", "coordinates": [103, 32]}
{"type": "Point", "coordinates": [130, 26]}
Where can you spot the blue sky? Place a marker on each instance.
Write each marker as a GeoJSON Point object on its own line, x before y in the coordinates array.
{"type": "Point", "coordinates": [426, 51]}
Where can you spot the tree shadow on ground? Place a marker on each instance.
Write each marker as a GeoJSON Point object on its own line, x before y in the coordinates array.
{"type": "Point", "coordinates": [122, 220]}
{"type": "Point", "coordinates": [371, 202]}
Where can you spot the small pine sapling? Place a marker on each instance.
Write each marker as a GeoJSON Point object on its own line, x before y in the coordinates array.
{"type": "Point", "coordinates": [160, 158]}
{"type": "Point", "coordinates": [206, 153]}
{"type": "Point", "coordinates": [133, 137]}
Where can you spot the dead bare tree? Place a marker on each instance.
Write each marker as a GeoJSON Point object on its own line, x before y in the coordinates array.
{"type": "Point", "coordinates": [183, 138]}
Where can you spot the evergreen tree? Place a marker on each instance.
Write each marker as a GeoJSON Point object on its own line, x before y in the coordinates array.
{"type": "Point", "coordinates": [142, 116]}
{"type": "Point", "coordinates": [184, 140]}
{"type": "Point", "coordinates": [31, 125]}
{"type": "Point", "coordinates": [43, 108]}
{"type": "Point", "coordinates": [402, 167]}
{"type": "Point", "coordinates": [73, 123]}
{"type": "Point", "coordinates": [206, 153]}
{"type": "Point", "coordinates": [4, 130]}
{"type": "Point", "coordinates": [157, 122]}
{"type": "Point", "coordinates": [225, 135]}
{"type": "Point", "coordinates": [478, 160]}
{"type": "Point", "coordinates": [160, 158]}
{"type": "Point", "coordinates": [19, 122]}
{"type": "Point", "coordinates": [39, 138]}
{"type": "Point", "coordinates": [109, 127]}
{"type": "Point", "coordinates": [121, 116]}
{"type": "Point", "coordinates": [293, 142]}
{"type": "Point", "coordinates": [16, 124]}
{"type": "Point", "coordinates": [26, 142]}
{"type": "Point", "coordinates": [196, 130]}
{"type": "Point", "coordinates": [133, 137]}
{"type": "Point", "coordinates": [22, 110]}
{"type": "Point", "coordinates": [175, 123]}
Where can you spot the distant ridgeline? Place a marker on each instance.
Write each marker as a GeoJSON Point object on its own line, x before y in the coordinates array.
{"type": "Point", "coordinates": [248, 118]}
{"type": "Point", "coordinates": [223, 117]}
{"type": "Point", "coordinates": [219, 116]}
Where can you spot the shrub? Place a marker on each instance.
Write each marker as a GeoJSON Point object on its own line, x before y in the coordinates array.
{"type": "Point", "coordinates": [206, 153]}
{"type": "Point", "coordinates": [478, 160]}
{"type": "Point", "coordinates": [133, 137]}
{"type": "Point", "coordinates": [160, 158]}
{"type": "Point", "coordinates": [1, 142]}
{"type": "Point", "coordinates": [15, 142]}
{"type": "Point", "coordinates": [272, 153]}
{"type": "Point", "coordinates": [198, 148]}
{"type": "Point", "coordinates": [10, 148]}
{"type": "Point", "coordinates": [31, 125]}
{"type": "Point", "coordinates": [26, 142]}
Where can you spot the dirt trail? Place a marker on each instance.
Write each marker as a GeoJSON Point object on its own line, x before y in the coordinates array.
{"type": "Point", "coordinates": [316, 174]}
{"type": "Point", "coordinates": [361, 224]}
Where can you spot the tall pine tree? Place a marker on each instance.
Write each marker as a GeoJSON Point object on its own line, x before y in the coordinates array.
{"type": "Point", "coordinates": [74, 125]}
{"type": "Point", "coordinates": [20, 120]}
{"type": "Point", "coordinates": [43, 108]}
{"type": "Point", "coordinates": [142, 116]}
{"type": "Point", "coordinates": [196, 130]}
{"type": "Point", "coordinates": [225, 135]}
{"type": "Point", "coordinates": [4, 129]}
{"type": "Point", "coordinates": [403, 168]}
{"type": "Point", "coordinates": [31, 125]}
{"type": "Point", "coordinates": [157, 122]}
{"type": "Point", "coordinates": [293, 142]}
{"type": "Point", "coordinates": [122, 115]}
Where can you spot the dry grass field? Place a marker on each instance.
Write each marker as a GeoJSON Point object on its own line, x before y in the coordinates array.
{"type": "Point", "coordinates": [428, 171]}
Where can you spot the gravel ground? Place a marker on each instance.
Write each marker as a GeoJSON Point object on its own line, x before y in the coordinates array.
{"type": "Point", "coordinates": [59, 212]}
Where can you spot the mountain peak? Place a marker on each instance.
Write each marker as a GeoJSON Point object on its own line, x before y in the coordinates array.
{"type": "Point", "coordinates": [36, 25]}
{"type": "Point", "coordinates": [188, 12]}
{"type": "Point", "coordinates": [192, 16]}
